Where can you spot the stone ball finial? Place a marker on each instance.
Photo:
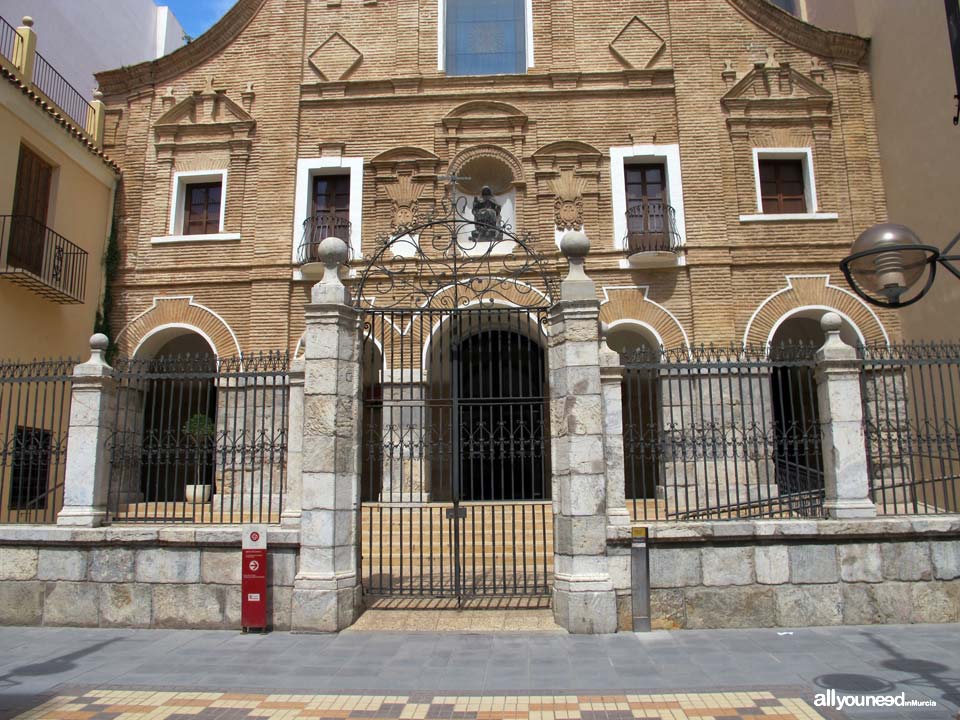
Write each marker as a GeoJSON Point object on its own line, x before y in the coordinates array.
{"type": "Point", "coordinates": [333, 252]}
{"type": "Point", "coordinates": [97, 94]}
{"type": "Point", "coordinates": [27, 21]}
{"type": "Point", "coordinates": [575, 244]}
{"type": "Point", "coordinates": [831, 322]}
{"type": "Point", "coordinates": [99, 341]}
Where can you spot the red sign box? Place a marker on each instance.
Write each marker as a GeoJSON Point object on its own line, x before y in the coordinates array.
{"type": "Point", "coordinates": [253, 583]}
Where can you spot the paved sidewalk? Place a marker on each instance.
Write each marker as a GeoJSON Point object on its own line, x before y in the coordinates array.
{"type": "Point", "coordinates": [442, 674]}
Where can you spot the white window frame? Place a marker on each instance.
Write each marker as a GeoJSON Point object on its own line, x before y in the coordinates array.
{"type": "Point", "coordinates": [805, 156]}
{"type": "Point", "coordinates": [181, 180]}
{"type": "Point", "coordinates": [309, 168]}
{"type": "Point", "coordinates": [442, 34]}
{"type": "Point", "coordinates": [669, 155]}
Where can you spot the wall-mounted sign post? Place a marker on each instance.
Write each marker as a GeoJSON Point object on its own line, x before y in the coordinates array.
{"type": "Point", "coordinates": [253, 583]}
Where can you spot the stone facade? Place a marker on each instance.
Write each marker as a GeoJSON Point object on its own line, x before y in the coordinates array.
{"type": "Point", "coordinates": [136, 577]}
{"type": "Point", "coordinates": [711, 83]}
{"type": "Point", "coordinates": [798, 573]}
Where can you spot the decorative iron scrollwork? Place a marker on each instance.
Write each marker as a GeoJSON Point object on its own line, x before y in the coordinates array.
{"type": "Point", "coordinates": [446, 259]}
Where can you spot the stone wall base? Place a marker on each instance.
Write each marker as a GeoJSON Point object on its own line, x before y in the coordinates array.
{"type": "Point", "coordinates": [803, 573]}
{"type": "Point", "coordinates": [130, 577]}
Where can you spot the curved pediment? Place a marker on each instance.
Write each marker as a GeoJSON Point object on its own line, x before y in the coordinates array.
{"type": "Point", "coordinates": [407, 153]}
{"type": "Point", "coordinates": [485, 109]}
{"type": "Point", "coordinates": [566, 148]}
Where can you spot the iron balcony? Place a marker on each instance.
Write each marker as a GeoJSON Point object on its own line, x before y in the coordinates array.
{"type": "Point", "coordinates": [651, 228]}
{"type": "Point", "coordinates": [318, 228]}
{"type": "Point", "coordinates": [33, 255]}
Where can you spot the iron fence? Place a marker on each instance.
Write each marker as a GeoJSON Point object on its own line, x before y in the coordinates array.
{"type": "Point", "coordinates": [34, 417]}
{"type": "Point", "coordinates": [721, 433]}
{"type": "Point", "coordinates": [33, 255]}
{"type": "Point", "coordinates": [66, 97]}
{"type": "Point", "coordinates": [911, 420]}
{"type": "Point", "coordinates": [199, 439]}
{"type": "Point", "coordinates": [8, 40]}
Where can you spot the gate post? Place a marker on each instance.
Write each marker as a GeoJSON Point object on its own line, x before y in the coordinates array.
{"type": "Point", "coordinates": [92, 404]}
{"type": "Point", "coordinates": [326, 590]}
{"type": "Point", "coordinates": [845, 480]}
{"type": "Point", "coordinates": [583, 594]}
{"type": "Point", "coordinates": [290, 517]}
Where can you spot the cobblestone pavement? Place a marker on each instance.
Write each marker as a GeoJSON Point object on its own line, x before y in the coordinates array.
{"type": "Point", "coordinates": [100, 674]}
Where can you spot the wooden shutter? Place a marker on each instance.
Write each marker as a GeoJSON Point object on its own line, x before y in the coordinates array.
{"type": "Point", "coordinates": [781, 186]}
{"type": "Point", "coordinates": [31, 202]}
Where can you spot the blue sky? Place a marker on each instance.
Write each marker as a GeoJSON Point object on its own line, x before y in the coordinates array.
{"type": "Point", "coordinates": [196, 16]}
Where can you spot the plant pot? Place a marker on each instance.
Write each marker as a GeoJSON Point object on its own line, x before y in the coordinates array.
{"type": "Point", "coordinates": [197, 494]}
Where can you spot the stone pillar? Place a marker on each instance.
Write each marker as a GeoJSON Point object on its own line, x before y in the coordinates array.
{"type": "Point", "coordinates": [618, 516]}
{"type": "Point", "coordinates": [290, 516]}
{"type": "Point", "coordinates": [326, 591]}
{"type": "Point", "coordinates": [92, 404]}
{"type": "Point", "coordinates": [841, 423]}
{"type": "Point", "coordinates": [583, 594]}
{"type": "Point", "coordinates": [95, 123]}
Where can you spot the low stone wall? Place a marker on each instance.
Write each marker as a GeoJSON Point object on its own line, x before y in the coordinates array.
{"type": "Point", "coordinates": [136, 576]}
{"type": "Point", "coordinates": [792, 573]}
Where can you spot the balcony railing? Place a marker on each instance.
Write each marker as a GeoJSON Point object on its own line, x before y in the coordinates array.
{"type": "Point", "coordinates": [318, 228]}
{"type": "Point", "coordinates": [64, 95]}
{"type": "Point", "coordinates": [651, 227]}
{"type": "Point", "coordinates": [33, 255]}
{"type": "Point", "coordinates": [8, 40]}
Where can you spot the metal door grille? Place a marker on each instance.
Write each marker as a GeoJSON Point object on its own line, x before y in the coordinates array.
{"type": "Point", "coordinates": [455, 483]}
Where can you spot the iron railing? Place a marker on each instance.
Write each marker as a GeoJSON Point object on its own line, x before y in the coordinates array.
{"type": "Point", "coordinates": [911, 419]}
{"type": "Point", "coordinates": [318, 228]}
{"type": "Point", "coordinates": [66, 97]}
{"type": "Point", "coordinates": [8, 40]}
{"type": "Point", "coordinates": [34, 417]}
{"type": "Point", "coordinates": [651, 227]}
{"type": "Point", "coordinates": [199, 439]}
{"type": "Point", "coordinates": [33, 255]}
{"type": "Point", "coordinates": [721, 433]}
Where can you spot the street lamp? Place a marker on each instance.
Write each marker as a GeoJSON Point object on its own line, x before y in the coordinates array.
{"type": "Point", "coordinates": [887, 260]}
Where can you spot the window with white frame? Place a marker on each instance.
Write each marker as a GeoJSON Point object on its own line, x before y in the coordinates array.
{"type": "Point", "coordinates": [494, 37]}
{"type": "Point", "coordinates": [329, 201]}
{"type": "Point", "coordinates": [647, 197]}
{"type": "Point", "coordinates": [785, 184]}
{"type": "Point", "coordinates": [198, 207]}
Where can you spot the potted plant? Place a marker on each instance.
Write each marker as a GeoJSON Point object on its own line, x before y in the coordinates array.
{"type": "Point", "coordinates": [198, 430]}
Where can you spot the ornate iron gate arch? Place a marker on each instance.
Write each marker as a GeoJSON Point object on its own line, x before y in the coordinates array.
{"type": "Point", "coordinates": [455, 457]}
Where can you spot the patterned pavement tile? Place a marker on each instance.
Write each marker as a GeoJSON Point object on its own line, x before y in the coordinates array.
{"type": "Point", "coordinates": [153, 705]}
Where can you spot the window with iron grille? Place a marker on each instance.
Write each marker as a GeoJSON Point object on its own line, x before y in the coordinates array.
{"type": "Point", "coordinates": [30, 469]}
{"type": "Point", "coordinates": [782, 186]}
{"type": "Point", "coordinates": [485, 38]}
{"type": "Point", "coordinates": [201, 212]}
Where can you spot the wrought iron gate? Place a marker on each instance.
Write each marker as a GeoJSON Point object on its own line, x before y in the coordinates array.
{"type": "Point", "coordinates": [455, 484]}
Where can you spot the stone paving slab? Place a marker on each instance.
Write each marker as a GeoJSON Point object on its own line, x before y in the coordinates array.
{"type": "Point", "coordinates": [37, 665]}
{"type": "Point", "coordinates": [160, 705]}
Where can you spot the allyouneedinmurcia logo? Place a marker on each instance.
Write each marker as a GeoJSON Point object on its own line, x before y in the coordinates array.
{"type": "Point", "coordinates": [832, 699]}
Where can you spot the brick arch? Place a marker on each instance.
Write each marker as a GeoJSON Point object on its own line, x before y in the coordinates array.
{"type": "Point", "coordinates": [812, 291]}
{"type": "Point", "coordinates": [632, 303]}
{"type": "Point", "coordinates": [179, 312]}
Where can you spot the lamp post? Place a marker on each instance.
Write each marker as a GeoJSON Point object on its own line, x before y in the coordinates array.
{"type": "Point", "coordinates": [887, 261]}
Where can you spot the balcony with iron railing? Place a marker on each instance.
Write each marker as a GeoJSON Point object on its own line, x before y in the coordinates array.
{"type": "Point", "coordinates": [651, 232]}
{"type": "Point", "coordinates": [316, 229]}
{"type": "Point", "coordinates": [33, 255]}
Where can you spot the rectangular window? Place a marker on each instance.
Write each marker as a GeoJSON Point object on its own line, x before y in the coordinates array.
{"type": "Point", "coordinates": [30, 471]}
{"type": "Point", "coordinates": [331, 207]}
{"type": "Point", "coordinates": [647, 211]}
{"type": "Point", "coordinates": [31, 201]}
{"type": "Point", "coordinates": [794, 7]}
{"type": "Point", "coordinates": [201, 212]}
{"type": "Point", "coordinates": [781, 187]}
{"type": "Point", "coordinates": [485, 38]}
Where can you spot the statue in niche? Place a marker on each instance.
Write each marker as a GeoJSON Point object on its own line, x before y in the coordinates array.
{"type": "Point", "coordinates": [487, 211]}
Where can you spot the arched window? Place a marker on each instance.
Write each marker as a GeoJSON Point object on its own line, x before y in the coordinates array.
{"type": "Point", "coordinates": [485, 38]}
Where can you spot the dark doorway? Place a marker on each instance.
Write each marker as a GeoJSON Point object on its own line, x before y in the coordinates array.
{"type": "Point", "coordinates": [501, 400]}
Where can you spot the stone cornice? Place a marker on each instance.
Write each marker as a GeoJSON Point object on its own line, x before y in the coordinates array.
{"type": "Point", "coordinates": [825, 43]}
{"type": "Point", "coordinates": [127, 79]}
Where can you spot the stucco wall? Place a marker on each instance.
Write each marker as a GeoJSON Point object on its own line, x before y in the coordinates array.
{"type": "Point", "coordinates": [80, 208]}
